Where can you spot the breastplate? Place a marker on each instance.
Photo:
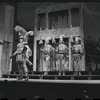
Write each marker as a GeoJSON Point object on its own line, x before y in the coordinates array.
{"type": "Point", "coordinates": [20, 48]}
{"type": "Point", "coordinates": [47, 49]}
{"type": "Point", "coordinates": [76, 50]}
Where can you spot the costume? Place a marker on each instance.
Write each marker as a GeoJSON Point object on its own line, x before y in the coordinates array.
{"type": "Point", "coordinates": [77, 52]}
{"type": "Point", "coordinates": [21, 59]}
{"type": "Point", "coordinates": [22, 53]}
{"type": "Point", "coordinates": [47, 55]}
{"type": "Point", "coordinates": [62, 55]}
{"type": "Point", "coordinates": [27, 51]}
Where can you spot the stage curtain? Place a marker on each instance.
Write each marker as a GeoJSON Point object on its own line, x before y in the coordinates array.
{"type": "Point", "coordinates": [91, 29]}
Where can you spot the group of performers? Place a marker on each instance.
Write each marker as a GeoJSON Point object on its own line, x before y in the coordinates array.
{"type": "Point", "coordinates": [23, 53]}
{"type": "Point", "coordinates": [62, 55]}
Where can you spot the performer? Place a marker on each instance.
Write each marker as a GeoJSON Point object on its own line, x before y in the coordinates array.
{"type": "Point", "coordinates": [62, 56]}
{"type": "Point", "coordinates": [23, 52]}
{"type": "Point", "coordinates": [47, 53]}
{"type": "Point", "coordinates": [77, 53]}
{"type": "Point", "coordinates": [21, 59]}
{"type": "Point", "coordinates": [27, 51]}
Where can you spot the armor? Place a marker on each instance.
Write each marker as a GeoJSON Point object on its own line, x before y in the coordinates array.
{"type": "Point", "coordinates": [62, 55]}
{"type": "Point", "coordinates": [21, 60]}
{"type": "Point", "coordinates": [22, 32]}
{"type": "Point", "coordinates": [77, 52]}
{"type": "Point", "coordinates": [23, 52]}
{"type": "Point", "coordinates": [47, 55]}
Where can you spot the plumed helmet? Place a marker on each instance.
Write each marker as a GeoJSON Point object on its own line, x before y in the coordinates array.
{"type": "Point", "coordinates": [77, 39]}
{"type": "Point", "coordinates": [41, 41]}
{"type": "Point", "coordinates": [53, 40]}
{"type": "Point", "coordinates": [21, 30]}
{"type": "Point", "coordinates": [47, 40]}
{"type": "Point", "coordinates": [61, 38]}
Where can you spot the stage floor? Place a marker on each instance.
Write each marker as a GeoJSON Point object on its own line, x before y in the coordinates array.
{"type": "Point", "coordinates": [53, 81]}
{"type": "Point", "coordinates": [55, 76]}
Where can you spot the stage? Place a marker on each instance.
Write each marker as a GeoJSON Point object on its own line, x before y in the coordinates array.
{"type": "Point", "coordinates": [43, 89]}
{"type": "Point", "coordinates": [54, 75]}
{"type": "Point", "coordinates": [52, 81]}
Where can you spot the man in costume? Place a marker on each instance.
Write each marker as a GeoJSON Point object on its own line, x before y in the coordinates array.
{"type": "Point", "coordinates": [23, 52]}
{"type": "Point", "coordinates": [47, 54]}
{"type": "Point", "coordinates": [21, 59]}
{"type": "Point", "coordinates": [77, 53]}
{"type": "Point", "coordinates": [27, 51]}
{"type": "Point", "coordinates": [62, 56]}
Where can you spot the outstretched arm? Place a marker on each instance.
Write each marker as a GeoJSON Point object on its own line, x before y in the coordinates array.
{"type": "Point", "coordinates": [13, 54]}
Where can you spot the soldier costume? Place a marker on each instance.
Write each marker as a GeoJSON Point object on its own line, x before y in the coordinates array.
{"type": "Point", "coordinates": [77, 52]}
{"type": "Point", "coordinates": [47, 54]}
{"type": "Point", "coordinates": [23, 52]}
{"type": "Point", "coordinates": [27, 51]}
{"type": "Point", "coordinates": [21, 59]}
{"type": "Point", "coordinates": [62, 56]}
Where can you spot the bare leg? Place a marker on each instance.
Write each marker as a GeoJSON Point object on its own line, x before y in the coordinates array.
{"type": "Point", "coordinates": [20, 70]}
{"type": "Point", "coordinates": [46, 64]}
{"type": "Point", "coordinates": [75, 67]}
{"type": "Point", "coordinates": [79, 67]}
{"type": "Point", "coordinates": [25, 71]}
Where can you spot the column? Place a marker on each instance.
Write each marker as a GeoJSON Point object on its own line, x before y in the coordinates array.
{"type": "Point", "coordinates": [1, 47]}
{"type": "Point", "coordinates": [47, 21]}
{"type": "Point", "coordinates": [34, 55]}
{"type": "Point", "coordinates": [70, 58]}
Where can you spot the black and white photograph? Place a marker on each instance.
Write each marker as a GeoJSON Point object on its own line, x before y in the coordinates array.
{"type": "Point", "coordinates": [49, 50]}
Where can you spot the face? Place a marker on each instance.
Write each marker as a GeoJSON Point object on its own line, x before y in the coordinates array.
{"type": "Point", "coordinates": [47, 42]}
{"type": "Point", "coordinates": [20, 40]}
{"type": "Point", "coordinates": [61, 41]}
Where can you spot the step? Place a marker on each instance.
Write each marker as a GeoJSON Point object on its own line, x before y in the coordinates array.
{"type": "Point", "coordinates": [56, 72]}
{"type": "Point", "coordinates": [59, 77]}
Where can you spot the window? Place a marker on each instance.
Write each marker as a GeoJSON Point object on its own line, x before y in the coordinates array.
{"type": "Point", "coordinates": [41, 21]}
{"type": "Point", "coordinates": [75, 18]}
{"type": "Point", "coordinates": [58, 19]}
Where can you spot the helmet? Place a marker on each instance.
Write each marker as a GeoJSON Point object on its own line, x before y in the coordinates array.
{"type": "Point", "coordinates": [77, 39]}
{"type": "Point", "coordinates": [61, 39]}
{"type": "Point", "coordinates": [40, 42]}
{"type": "Point", "coordinates": [47, 40]}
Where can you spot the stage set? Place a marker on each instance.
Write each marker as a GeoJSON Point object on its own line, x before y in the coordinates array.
{"type": "Point", "coordinates": [58, 51]}
{"type": "Point", "coordinates": [59, 59]}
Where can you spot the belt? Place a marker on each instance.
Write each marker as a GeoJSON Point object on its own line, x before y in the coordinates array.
{"type": "Point", "coordinates": [18, 53]}
{"type": "Point", "coordinates": [77, 53]}
{"type": "Point", "coordinates": [60, 53]}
